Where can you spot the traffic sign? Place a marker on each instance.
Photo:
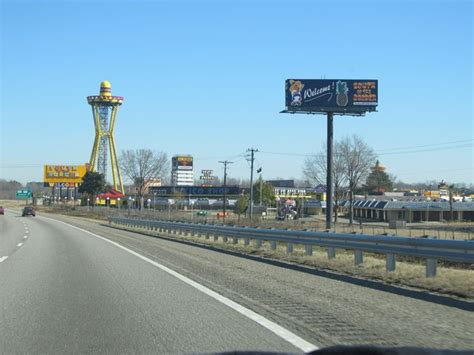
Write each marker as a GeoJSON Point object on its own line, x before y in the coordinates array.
{"type": "Point", "coordinates": [23, 194]}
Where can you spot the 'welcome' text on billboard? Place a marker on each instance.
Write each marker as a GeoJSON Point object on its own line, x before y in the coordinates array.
{"type": "Point", "coordinates": [325, 95]}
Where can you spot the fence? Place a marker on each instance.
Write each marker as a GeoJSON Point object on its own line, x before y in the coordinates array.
{"type": "Point", "coordinates": [429, 249]}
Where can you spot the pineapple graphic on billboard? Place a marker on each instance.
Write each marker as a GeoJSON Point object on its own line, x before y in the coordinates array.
{"type": "Point", "coordinates": [341, 93]}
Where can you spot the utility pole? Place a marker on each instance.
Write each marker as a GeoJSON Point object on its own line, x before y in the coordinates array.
{"type": "Point", "coordinates": [225, 162]}
{"type": "Point", "coordinates": [252, 158]}
{"type": "Point", "coordinates": [450, 189]}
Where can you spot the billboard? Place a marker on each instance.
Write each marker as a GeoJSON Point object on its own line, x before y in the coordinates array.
{"type": "Point", "coordinates": [182, 162]}
{"type": "Point", "coordinates": [331, 95]}
{"type": "Point", "coordinates": [64, 174]}
{"type": "Point", "coordinates": [186, 191]}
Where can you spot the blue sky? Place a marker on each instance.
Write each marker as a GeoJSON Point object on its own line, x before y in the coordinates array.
{"type": "Point", "coordinates": [207, 79]}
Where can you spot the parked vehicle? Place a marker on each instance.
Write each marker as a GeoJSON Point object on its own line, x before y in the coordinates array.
{"type": "Point", "coordinates": [2, 210]}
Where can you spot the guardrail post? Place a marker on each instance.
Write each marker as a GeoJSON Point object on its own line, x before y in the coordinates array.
{"type": "Point", "coordinates": [273, 244]}
{"type": "Point", "coordinates": [390, 262]}
{"type": "Point", "coordinates": [308, 249]}
{"type": "Point", "coordinates": [289, 248]}
{"type": "Point", "coordinates": [216, 238]}
{"type": "Point", "coordinates": [224, 239]}
{"type": "Point", "coordinates": [246, 241]}
{"type": "Point", "coordinates": [358, 257]}
{"type": "Point", "coordinates": [331, 253]}
{"type": "Point", "coordinates": [207, 236]}
{"type": "Point", "coordinates": [431, 267]}
{"type": "Point", "coordinates": [235, 240]}
{"type": "Point", "coordinates": [258, 243]}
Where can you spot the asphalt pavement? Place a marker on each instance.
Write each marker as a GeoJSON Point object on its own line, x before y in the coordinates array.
{"type": "Point", "coordinates": [78, 285]}
{"type": "Point", "coordinates": [67, 291]}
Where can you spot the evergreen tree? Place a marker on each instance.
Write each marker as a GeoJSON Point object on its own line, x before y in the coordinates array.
{"type": "Point", "coordinates": [267, 194]}
{"type": "Point", "coordinates": [93, 183]}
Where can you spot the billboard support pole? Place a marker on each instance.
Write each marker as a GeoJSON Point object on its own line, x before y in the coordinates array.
{"type": "Point", "coordinates": [329, 183]}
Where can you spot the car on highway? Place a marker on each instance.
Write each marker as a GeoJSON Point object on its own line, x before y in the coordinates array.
{"type": "Point", "coordinates": [202, 213]}
{"type": "Point", "coordinates": [28, 211]}
{"type": "Point", "coordinates": [2, 210]}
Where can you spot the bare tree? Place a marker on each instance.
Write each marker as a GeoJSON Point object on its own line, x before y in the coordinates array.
{"type": "Point", "coordinates": [315, 170]}
{"type": "Point", "coordinates": [357, 159]}
{"type": "Point", "coordinates": [142, 164]}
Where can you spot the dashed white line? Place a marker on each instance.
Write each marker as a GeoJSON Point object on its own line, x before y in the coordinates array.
{"type": "Point", "coordinates": [19, 244]}
{"type": "Point", "coordinates": [25, 237]}
{"type": "Point", "coordinates": [3, 258]}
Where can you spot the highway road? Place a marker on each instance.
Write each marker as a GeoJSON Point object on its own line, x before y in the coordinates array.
{"type": "Point", "coordinates": [74, 285]}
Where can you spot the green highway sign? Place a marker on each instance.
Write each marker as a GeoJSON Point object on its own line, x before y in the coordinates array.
{"type": "Point", "coordinates": [23, 193]}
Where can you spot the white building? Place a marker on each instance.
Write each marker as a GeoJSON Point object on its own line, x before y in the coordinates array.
{"type": "Point", "coordinates": [182, 173]}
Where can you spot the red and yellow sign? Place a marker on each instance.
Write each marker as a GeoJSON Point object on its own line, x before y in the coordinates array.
{"type": "Point", "coordinates": [72, 174]}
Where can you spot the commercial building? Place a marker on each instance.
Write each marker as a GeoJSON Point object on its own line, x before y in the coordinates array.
{"type": "Point", "coordinates": [152, 182]}
{"type": "Point", "coordinates": [286, 189]}
{"type": "Point", "coordinates": [412, 211]}
{"type": "Point", "coordinates": [182, 173]}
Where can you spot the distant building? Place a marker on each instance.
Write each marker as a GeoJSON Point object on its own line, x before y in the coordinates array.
{"type": "Point", "coordinates": [182, 173]}
{"type": "Point", "coordinates": [282, 183]}
{"type": "Point", "coordinates": [411, 211]}
{"type": "Point", "coordinates": [320, 192]}
{"type": "Point", "coordinates": [152, 182]}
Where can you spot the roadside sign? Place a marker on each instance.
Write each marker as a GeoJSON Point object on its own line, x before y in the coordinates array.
{"type": "Point", "coordinates": [23, 194]}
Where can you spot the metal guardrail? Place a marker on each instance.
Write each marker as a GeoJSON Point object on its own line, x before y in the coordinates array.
{"type": "Point", "coordinates": [429, 249]}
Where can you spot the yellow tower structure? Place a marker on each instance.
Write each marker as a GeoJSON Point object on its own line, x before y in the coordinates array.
{"type": "Point", "coordinates": [104, 111]}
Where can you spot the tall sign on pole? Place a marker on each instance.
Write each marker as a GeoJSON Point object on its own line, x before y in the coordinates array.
{"type": "Point", "coordinates": [331, 97]}
{"type": "Point", "coordinates": [104, 111]}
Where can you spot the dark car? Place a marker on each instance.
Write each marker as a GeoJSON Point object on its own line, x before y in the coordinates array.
{"type": "Point", "coordinates": [2, 210]}
{"type": "Point", "coordinates": [28, 211]}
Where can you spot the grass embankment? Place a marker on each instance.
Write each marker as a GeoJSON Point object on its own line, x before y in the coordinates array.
{"type": "Point", "coordinates": [13, 203]}
{"type": "Point", "coordinates": [449, 280]}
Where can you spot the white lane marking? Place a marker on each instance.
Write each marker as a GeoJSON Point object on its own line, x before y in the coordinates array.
{"type": "Point", "coordinates": [25, 237]}
{"type": "Point", "coordinates": [3, 258]}
{"type": "Point", "coordinates": [283, 333]}
{"type": "Point", "coordinates": [19, 244]}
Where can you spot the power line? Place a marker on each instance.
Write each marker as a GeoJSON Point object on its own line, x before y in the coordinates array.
{"type": "Point", "coordinates": [426, 145]}
{"type": "Point", "coordinates": [386, 152]}
{"type": "Point", "coordinates": [427, 150]}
